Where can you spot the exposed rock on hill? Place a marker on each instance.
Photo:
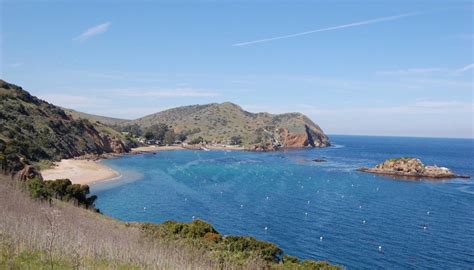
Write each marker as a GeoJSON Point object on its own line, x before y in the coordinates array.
{"type": "Point", "coordinates": [411, 168]}
{"type": "Point", "coordinates": [37, 130]}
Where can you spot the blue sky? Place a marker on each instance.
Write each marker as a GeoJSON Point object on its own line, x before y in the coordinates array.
{"type": "Point", "coordinates": [354, 67]}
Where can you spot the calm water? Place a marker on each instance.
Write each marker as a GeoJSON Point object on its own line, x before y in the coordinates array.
{"type": "Point", "coordinates": [418, 224]}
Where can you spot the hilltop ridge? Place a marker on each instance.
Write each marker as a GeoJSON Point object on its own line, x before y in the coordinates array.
{"type": "Point", "coordinates": [220, 122]}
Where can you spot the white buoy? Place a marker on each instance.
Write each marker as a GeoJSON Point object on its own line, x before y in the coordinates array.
{"type": "Point", "coordinates": [428, 212]}
{"type": "Point", "coordinates": [377, 189]}
{"type": "Point", "coordinates": [302, 187]}
{"type": "Point", "coordinates": [185, 199]}
{"type": "Point", "coordinates": [360, 206]}
{"type": "Point", "coordinates": [380, 248]}
{"type": "Point", "coordinates": [306, 213]}
{"type": "Point", "coordinates": [424, 227]}
{"type": "Point", "coordinates": [267, 198]}
{"type": "Point", "coordinates": [364, 221]}
{"type": "Point", "coordinates": [193, 217]}
{"type": "Point", "coordinates": [320, 238]}
{"type": "Point", "coordinates": [144, 208]}
{"type": "Point", "coordinates": [241, 206]}
{"type": "Point", "coordinates": [352, 185]}
{"type": "Point", "coordinates": [266, 228]}
{"type": "Point", "coordinates": [308, 202]}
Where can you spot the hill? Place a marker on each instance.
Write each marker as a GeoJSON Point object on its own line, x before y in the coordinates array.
{"type": "Point", "coordinates": [38, 130]}
{"type": "Point", "coordinates": [110, 121]}
{"type": "Point", "coordinates": [220, 122]}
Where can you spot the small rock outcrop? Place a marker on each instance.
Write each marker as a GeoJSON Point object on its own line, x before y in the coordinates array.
{"type": "Point", "coordinates": [411, 168]}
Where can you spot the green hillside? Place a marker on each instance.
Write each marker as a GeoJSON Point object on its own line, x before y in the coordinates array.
{"type": "Point", "coordinates": [38, 130]}
{"type": "Point", "coordinates": [220, 122]}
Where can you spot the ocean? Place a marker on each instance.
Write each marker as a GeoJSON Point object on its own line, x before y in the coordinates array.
{"type": "Point", "coordinates": [323, 211]}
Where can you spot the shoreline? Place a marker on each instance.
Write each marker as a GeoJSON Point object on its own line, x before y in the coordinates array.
{"type": "Point", "coordinates": [88, 170]}
{"type": "Point", "coordinates": [84, 172]}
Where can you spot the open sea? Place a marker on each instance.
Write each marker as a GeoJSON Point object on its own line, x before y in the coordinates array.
{"type": "Point", "coordinates": [325, 211]}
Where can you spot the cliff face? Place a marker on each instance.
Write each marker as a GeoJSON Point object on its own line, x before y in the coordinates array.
{"type": "Point", "coordinates": [39, 130]}
{"type": "Point", "coordinates": [310, 138]}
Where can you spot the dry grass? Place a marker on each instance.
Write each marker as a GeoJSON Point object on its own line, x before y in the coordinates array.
{"type": "Point", "coordinates": [82, 239]}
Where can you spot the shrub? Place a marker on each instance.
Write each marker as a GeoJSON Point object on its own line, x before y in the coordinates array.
{"type": "Point", "coordinates": [37, 189]}
{"type": "Point", "coordinates": [169, 137]}
{"type": "Point", "coordinates": [61, 189]}
{"type": "Point", "coordinates": [267, 251]}
{"type": "Point", "coordinates": [197, 140]}
{"type": "Point", "coordinates": [236, 140]}
{"type": "Point", "coordinates": [212, 237]}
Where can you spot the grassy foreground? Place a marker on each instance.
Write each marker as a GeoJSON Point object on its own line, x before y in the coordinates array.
{"type": "Point", "coordinates": [42, 234]}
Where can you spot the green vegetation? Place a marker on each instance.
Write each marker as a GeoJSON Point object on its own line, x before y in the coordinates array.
{"type": "Point", "coordinates": [196, 140]}
{"type": "Point", "coordinates": [400, 158]}
{"type": "Point", "coordinates": [39, 260]}
{"type": "Point", "coordinates": [44, 164]}
{"type": "Point", "coordinates": [221, 123]}
{"type": "Point", "coordinates": [233, 250]}
{"type": "Point", "coordinates": [61, 189]}
{"type": "Point", "coordinates": [37, 130]}
{"type": "Point", "coordinates": [236, 140]}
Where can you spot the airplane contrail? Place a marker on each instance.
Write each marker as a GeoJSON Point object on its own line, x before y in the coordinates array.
{"type": "Point", "coordinates": [390, 18]}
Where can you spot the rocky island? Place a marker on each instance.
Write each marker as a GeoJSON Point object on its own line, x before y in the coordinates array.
{"type": "Point", "coordinates": [408, 167]}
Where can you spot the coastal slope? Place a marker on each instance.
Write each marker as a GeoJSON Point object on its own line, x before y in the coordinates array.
{"type": "Point", "coordinates": [218, 123]}
{"type": "Point", "coordinates": [37, 130]}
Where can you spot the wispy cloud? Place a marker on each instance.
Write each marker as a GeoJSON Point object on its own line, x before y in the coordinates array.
{"type": "Point", "coordinates": [76, 101]}
{"type": "Point", "coordinates": [93, 31]}
{"type": "Point", "coordinates": [464, 69]}
{"type": "Point", "coordinates": [170, 93]}
{"type": "Point", "coordinates": [372, 21]}
{"type": "Point", "coordinates": [409, 71]}
{"type": "Point", "coordinates": [16, 65]}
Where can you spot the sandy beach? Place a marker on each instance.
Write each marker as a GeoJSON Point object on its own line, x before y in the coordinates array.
{"type": "Point", "coordinates": [90, 171]}
{"type": "Point", "coordinates": [154, 148]}
{"type": "Point", "coordinates": [79, 171]}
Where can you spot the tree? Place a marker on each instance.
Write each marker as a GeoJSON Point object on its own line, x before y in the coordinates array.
{"type": "Point", "coordinates": [149, 135]}
{"type": "Point", "coordinates": [169, 137]}
{"type": "Point", "coordinates": [197, 140]}
{"type": "Point", "coordinates": [158, 131]}
{"type": "Point", "coordinates": [37, 189]}
{"type": "Point", "coordinates": [182, 136]}
{"type": "Point", "coordinates": [58, 188]}
{"type": "Point", "coordinates": [236, 140]}
{"type": "Point", "coordinates": [134, 129]}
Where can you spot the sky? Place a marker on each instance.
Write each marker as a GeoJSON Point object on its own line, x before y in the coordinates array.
{"type": "Point", "coordinates": [395, 68]}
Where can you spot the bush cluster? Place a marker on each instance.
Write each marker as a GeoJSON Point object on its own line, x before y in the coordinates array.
{"type": "Point", "coordinates": [233, 249]}
{"type": "Point", "coordinates": [61, 189]}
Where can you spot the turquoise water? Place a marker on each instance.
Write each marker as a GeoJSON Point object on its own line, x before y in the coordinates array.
{"type": "Point", "coordinates": [421, 224]}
